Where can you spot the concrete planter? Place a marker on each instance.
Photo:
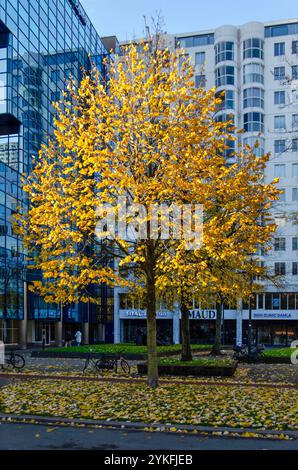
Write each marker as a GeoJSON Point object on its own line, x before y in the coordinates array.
{"type": "Point", "coordinates": [275, 360]}
{"type": "Point", "coordinates": [200, 371]}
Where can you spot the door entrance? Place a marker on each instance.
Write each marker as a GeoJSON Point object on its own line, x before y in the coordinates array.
{"type": "Point", "coordinates": [44, 331]}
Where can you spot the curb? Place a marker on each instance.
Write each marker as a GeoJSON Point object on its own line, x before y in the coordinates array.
{"type": "Point", "coordinates": [139, 426]}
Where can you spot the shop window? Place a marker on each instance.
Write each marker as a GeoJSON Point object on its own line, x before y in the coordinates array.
{"type": "Point", "coordinates": [276, 302]}
{"type": "Point", "coordinates": [279, 335]}
{"type": "Point", "coordinates": [292, 302]}
{"type": "Point", "coordinates": [260, 301]}
{"type": "Point", "coordinates": [268, 301]}
{"type": "Point", "coordinates": [284, 301]}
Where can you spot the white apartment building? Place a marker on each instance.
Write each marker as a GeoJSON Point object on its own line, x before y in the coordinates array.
{"type": "Point", "coordinates": [257, 66]}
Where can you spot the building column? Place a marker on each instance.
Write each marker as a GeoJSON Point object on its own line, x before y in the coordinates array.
{"type": "Point", "coordinates": [176, 326]}
{"type": "Point", "coordinates": [58, 329]}
{"type": "Point", "coordinates": [239, 321]}
{"type": "Point", "coordinates": [117, 338]}
{"type": "Point", "coordinates": [23, 323]}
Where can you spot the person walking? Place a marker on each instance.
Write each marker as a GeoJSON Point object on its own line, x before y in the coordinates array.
{"type": "Point", "coordinates": [68, 339]}
{"type": "Point", "coordinates": [78, 337]}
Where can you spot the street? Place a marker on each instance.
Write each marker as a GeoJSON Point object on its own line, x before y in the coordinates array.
{"type": "Point", "coordinates": [15, 436]}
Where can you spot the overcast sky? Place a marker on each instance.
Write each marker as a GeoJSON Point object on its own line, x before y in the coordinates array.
{"type": "Point", "coordinates": [124, 18]}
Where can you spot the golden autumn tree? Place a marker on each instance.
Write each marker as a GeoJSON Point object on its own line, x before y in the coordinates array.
{"type": "Point", "coordinates": [120, 150]}
{"type": "Point", "coordinates": [237, 223]}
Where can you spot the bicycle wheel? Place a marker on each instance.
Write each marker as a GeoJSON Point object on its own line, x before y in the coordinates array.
{"type": "Point", "coordinates": [86, 365]}
{"type": "Point", "coordinates": [17, 361]}
{"type": "Point", "coordinates": [125, 366]}
{"type": "Point", "coordinates": [7, 363]}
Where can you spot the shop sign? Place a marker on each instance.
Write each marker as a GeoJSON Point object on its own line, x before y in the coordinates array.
{"type": "Point", "coordinates": [133, 314]}
{"type": "Point", "coordinates": [202, 314]}
{"type": "Point", "coordinates": [275, 316]}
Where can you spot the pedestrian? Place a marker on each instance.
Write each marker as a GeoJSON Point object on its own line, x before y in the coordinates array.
{"type": "Point", "coordinates": [78, 337]}
{"type": "Point", "coordinates": [68, 339]}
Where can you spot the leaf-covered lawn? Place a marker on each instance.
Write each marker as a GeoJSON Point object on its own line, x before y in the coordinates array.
{"type": "Point", "coordinates": [128, 348]}
{"type": "Point", "coordinates": [233, 406]}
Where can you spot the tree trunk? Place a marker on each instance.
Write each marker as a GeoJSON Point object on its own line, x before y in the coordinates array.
{"type": "Point", "coordinates": [185, 333]}
{"type": "Point", "coordinates": [216, 349]}
{"type": "Point", "coordinates": [151, 335]}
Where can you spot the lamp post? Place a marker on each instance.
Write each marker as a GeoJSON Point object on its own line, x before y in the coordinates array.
{"type": "Point", "coordinates": [250, 315]}
{"type": "Point", "coordinates": [249, 327]}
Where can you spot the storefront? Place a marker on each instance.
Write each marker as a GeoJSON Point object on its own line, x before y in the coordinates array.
{"type": "Point", "coordinates": [271, 328]}
{"type": "Point", "coordinates": [133, 325]}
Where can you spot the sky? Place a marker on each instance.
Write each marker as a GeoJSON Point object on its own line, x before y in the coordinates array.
{"type": "Point", "coordinates": [124, 18]}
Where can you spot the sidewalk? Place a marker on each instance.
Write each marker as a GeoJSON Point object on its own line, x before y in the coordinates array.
{"type": "Point", "coordinates": [138, 426]}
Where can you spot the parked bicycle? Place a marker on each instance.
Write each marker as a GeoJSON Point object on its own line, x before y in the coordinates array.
{"type": "Point", "coordinates": [242, 354]}
{"type": "Point", "coordinates": [13, 360]}
{"type": "Point", "coordinates": [107, 362]}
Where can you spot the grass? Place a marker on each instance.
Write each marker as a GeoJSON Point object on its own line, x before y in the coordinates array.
{"type": "Point", "coordinates": [279, 352]}
{"type": "Point", "coordinates": [126, 348]}
{"type": "Point", "coordinates": [198, 362]}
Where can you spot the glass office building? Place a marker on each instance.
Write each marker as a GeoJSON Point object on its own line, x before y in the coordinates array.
{"type": "Point", "coordinates": [42, 44]}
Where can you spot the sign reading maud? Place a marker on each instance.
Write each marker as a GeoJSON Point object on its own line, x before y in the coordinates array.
{"type": "Point", "coordinates": [202, 314]}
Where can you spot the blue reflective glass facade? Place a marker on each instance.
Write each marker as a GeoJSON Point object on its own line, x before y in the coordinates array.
{"type": "Point", "coordinates": [42, 44]}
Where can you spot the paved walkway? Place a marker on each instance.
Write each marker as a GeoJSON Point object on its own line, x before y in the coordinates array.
{"type": "Point", "coordinates": [276, 375]}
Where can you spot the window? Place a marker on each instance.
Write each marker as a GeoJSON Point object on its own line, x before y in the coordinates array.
{"type": "Point", "coordinates": [253, 122]}
{"type": "Point", "coordinates": [279, 49]}
{"type": "Point", "coordinates": [295, 121]}
{"type": "Point", "coordinates": [279, 73]}
{"type": "Point", "coordinates": [295, 145]}
{"type": "Point", "coordinates": [253, 73]}
{"type": "Point", "coordinates": [200, 58]}
{"type": "Point", "coordinates": [281, 30]}
{"type": "Point", "coordinates": [279, 97]}
{"type": "Point", "coordinates": [200, 81]}
{"type": "Point", "coordinates": [183, 58]}
{"type": "Point", "coordinates": [295, 243]}
{"type": "Point", "coordinates": [294, 72]}
{"type": "Point", "coordinates": [295, 170]}
{"type": "Point", "coordinates": [252, 141]}
{"type": "Point", "coordinates": [279, 146]}
{"type": "Point", "coordinates": [253, 98]}
{"type": "Point", "coordinates": [279, 122]}
{"type": "Point", "coordinates": [294, 47]}
{"type": "Point", "coordinates": [280, 269]}
{"type": "Point", "coordinates": [55, 75]}
{"type": "Point", "coordinates": [295, 268]}
{"type": "Point", "coordinates": [279, 244]}
{"type": "Point", "coordinates": [227, 99]}
{"type": "Point", "coordinates": [282, 196]}
{"type": "Point", "coordinates": [294, 194]}
{"type": "Point", "coordinates": [253, 48]}
{"type": "Point", "coordinates": [279, 171]}
{"type": "Point", "coordinates": [224, 51]}
{"type": "Point", "coordinates": [224, 75]}
{"type": "Point", "coordinates": [195, 41]}
{"type": "Point", "coordinates": [55, 96]}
